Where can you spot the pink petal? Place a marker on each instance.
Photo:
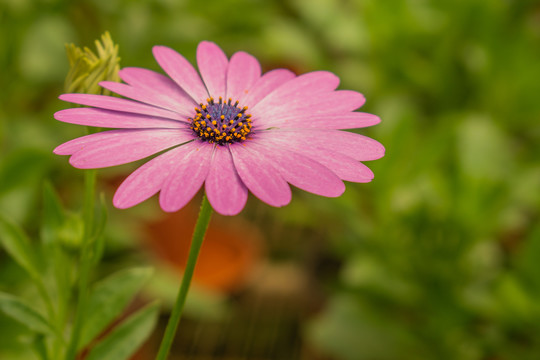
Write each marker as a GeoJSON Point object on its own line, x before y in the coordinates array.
{"type": "Point", "coordinates": [181, 71]}
{"type": "Point", "coordinates": [150, 97]}
{"type": "Point", "coordinates": [244, 70]}
{"type": "Point", "coordinates": [115, 119]}
{"type": "Point", "coordinates": [226, 192]}
{"type": "Point", "coordinates": [350, 120]}
{"type": "Point", "coordinates": [158, 83]}
{"type": "Point", "coordinates": [188, 175]}
{"type": "Point", "coordinates": [298, 89]}
{"type": "Point", "coordinates": [117, 147]}
{"type": "Point", "coordinates": [72, 146]}
{"type": "Point", "coordinates": [303, 172]}
{"type": "Point", "coordinates": [117, 104]}
{"type": "Point", "coordinates": [324, 103]}
{"type": "Point", "coordinates": [148, 179]}
{"type": "Point", "coordinates": [212, 63]}
{"type": "Point", "coordinates": [320, 104]}
{"type": "Point", "coordinates": [260, 176]}
{"type": "Point", "coordinates": [343, 166]}
{"type": "Point", "coordinates": [356, 146]}
{"type": "Point", "coordinates": [265, 85]}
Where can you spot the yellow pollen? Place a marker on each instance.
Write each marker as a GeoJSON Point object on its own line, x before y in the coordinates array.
{"type": "Point", "coordinates": [222, 122]}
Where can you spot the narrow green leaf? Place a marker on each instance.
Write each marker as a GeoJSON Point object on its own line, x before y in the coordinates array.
{"type": "Point", "coordinates": [99, 228]}
{"type": "Point", "coordinates": [28, 164]}
{"type": "Point", "coordinates": [126, 338]}
{"type": "Point", "coordinates": [40, 346]}
{"type": "Point", "coordinates": [20, 311]}
{"type": "Point", "coordinates": [108, 298]}
{"type": "Point", "coordinates": [17, 245]}
{"type": "Point", "coordinates": [59, 226]}
{"type": "Point", "coordinates": [53, 215]}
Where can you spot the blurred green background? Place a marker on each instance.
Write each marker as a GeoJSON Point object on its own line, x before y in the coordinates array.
{"type": "Point", "coordinates": [437, 258]}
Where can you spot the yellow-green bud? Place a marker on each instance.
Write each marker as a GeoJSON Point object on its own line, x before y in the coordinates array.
{"type": "Point", "coordinates": [87, 69]}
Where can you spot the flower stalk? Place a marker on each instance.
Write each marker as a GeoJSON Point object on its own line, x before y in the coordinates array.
{"type": "Point", "coordinates": [196, 242]}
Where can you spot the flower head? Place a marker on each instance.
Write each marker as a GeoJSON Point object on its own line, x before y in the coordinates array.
{"type": "Point", "coordinates": [229, 128]}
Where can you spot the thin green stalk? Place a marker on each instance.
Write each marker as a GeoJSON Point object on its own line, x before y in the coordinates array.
{"type": "Point", "coordinates": [85, 261]}
{"type": "Point", "coordinates": [198, 235]}
{"type": "Point", "coordinates": [89, 202]}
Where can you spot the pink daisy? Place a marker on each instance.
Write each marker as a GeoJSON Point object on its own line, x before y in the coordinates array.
{"type": "Point", "coordinates": [231, 129]}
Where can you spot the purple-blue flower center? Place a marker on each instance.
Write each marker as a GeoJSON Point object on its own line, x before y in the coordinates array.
{"type": "Point", "coordinates": [221, 122]}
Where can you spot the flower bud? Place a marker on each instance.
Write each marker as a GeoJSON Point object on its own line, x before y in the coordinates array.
{"type": "Point", "coordinates": [87, 69]}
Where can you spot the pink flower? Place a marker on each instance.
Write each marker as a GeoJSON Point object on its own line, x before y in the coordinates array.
{"type": "Point", "coordinates": [230, 129]}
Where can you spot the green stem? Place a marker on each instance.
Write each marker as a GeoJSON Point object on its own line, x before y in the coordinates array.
{"type": "Point", "coordinates": [89, 202]}
{"type": "Point", "coordinates": [85, 262]}
{"type": "Point", "coordinates": [198, 235]}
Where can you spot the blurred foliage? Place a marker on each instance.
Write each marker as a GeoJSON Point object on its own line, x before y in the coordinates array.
{"type": "Point", "coordinates": [438, 256]}
{"type": "Point", "coordinates": [53, 267]}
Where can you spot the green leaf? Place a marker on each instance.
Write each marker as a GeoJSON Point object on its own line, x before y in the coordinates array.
{"type": "Point", "coordinates": [18, 310]}
{"type": "Point", "coordinates": [27, 164]}
{"type": "Point", "coordinates": [53, 215]}
{"type": "Point", "coordinates": [55, 221]}
{"type": "Point", "coordinates": [17, 244]}
{"type": "Point", "coordinates": [126, 338]}
{"type": "Point", "coordinates": [40, 346]}
{"type": "Point", "coordinates": [59, 226]}
{"type": "Point", "coordinates": [72, 231]}
{"type": "Point", "coordinates": [99, 228]}
{"type": "Point", "coordinates": [108, 298]}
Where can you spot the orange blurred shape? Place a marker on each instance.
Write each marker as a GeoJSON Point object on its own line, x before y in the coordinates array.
{"type": "Point", "coordinates": [229, 252]}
